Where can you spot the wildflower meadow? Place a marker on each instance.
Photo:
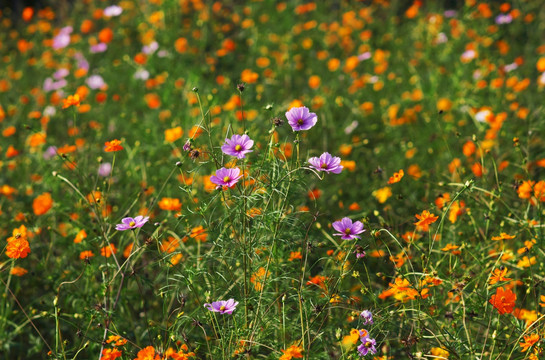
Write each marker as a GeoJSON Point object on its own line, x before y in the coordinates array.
{"type": "Point", "coordinates": [191, 179]}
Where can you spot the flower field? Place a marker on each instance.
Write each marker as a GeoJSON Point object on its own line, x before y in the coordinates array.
{"type": "Point", "coordinates": [189, 179]}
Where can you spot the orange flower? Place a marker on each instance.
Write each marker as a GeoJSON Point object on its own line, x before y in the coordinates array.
{"type": "Point", "coordinates": [382, 194]}
{"type": "Point", "coordinates": [171, 135]}
{"type": "Point", "coordinates": [452, 248]}
{"type": "Point", "coordinates": [42, 204]}
{"type": "Point", "coordinates": [114, 145]}
{"type": "Point", "coordinates": [526, 261]}
{"type": "Point", "coordinates": [396, 177]}
{"type": "Point", "coordinates": [18, 271]}
{"type": "Point", "coordinates": [198, 233]}
{"type": "Point", "coordinates": [20, 232]}
{"type": "Point", "coordinates": [401, 289]}
{"type": "Point", "coordinates": [147, 353]}
{"type": "Point", "coordinates": [107, 251]}
{"type": "Point", "coordinates": [170, 245]}
{"type": "Point", "coordinates": [529, 341]}
{"type": "Point", "coordinates": [71, 100]}
{"type": "Point", "coordinates": [498, 275]}
{"type": "Point", "coordinates": [117, 340]}
{"type": "Point", "coordinates": [80, 236]}
{"type": "Point", "coordinates": [110, 354]}
{"type": "Point", "coordinates": [259, 277]}
{"type": "Point", "coordinates": [503, 300]}
{"type": "Point", "coordinates": [442, 199]}
{"type": "Point", "coordinates": [86, 254]}
{"type": "Point", "coordinates": [293, 351]}
{"type": "Point", "coordinates": [18, 248]}
{"type": "Point", "coordinates": [11, 152]}
{"type": "Point", "coordinates": [170, 204]}
{"type": "Point", "coordinates": [294, 255]}
{"type": "Point", "coordinates": [424, 220]}
{"type": "Point", "coordinates": [503, 236]}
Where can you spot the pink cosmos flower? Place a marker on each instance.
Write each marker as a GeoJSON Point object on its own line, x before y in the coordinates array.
{"type": "Point", "coordinates": [348, 230]}
{"type": "Point", "coordinates": [238, 145]}
{"type": "Point", "coordinates": [112, 11]}
{"type": "Point", "coordinates": [95, 82]}
{"type": "Point", "coordinates": [62, 39]}
{"type": "Point", "coordinates": [129, 223]}
{"type": "Point", "coordinates": [300, 118]}
{"type": "Point", "coordinates": [226, 177]}
{"type": "Point", "coordinates": [99, 48]}
{"type": "Point", "coordinates": [222, 306]}
{"type": "Point", "coordinates": [326, 163]}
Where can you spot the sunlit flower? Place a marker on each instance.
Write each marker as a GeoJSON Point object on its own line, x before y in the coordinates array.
{"type": "Point", "coordinates": [114, 145]}
{"type": "Point", "coordinates": [529, 341]}
{"type": "Point", "coordinates": [326, 163]}
{"type": "Point", "coordinates": [503, 300]}
{"type": "Point", "coordinates": [348, 230]}
{"type": "Point", "coordinates": [424, 220]}
{"type": "Point", "coordinates": [293, 351]}
{"type": "Point", "coordinates": [18, 248]}
{"type": "Point", "coordinates": [170, 204]}
{"type": "Point", "coordinates": [132, 223]}
{"type": "Point", "coordinates": [71, 100]}
{"type": "Point", "coordinates": [42, 204]}
{"type": "Point", "coordinates": [147, 353]}
{"type": "Point", "coordinates": [238, 145]}
{"type": "Point", "coordinates": [226, 177]}
{"type": "Point", "coordinates": [222, 306]}
{"type": "Point", "coordinates": [300, 118]}
{"type": "Point", "coordinates": [396, 177]}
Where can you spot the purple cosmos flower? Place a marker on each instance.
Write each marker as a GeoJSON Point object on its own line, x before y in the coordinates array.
{"type": "Point", "coordinates": [187, 145]}
{"type": "Point", "coordinates": [61, 73]}
{"type": "Point", "coordinates": [360, 253]}
{"type": "Point", "coordinates": [503, 19]}
{"type": "Point", "coordinates": [326, 163]}
{"type": "Point", "coordinates": [82, 62]}
{"type": "Point", "coordinates": [301, 119]}
{"type": "Point", "coordinates": [130, 223]}
{"type": "Point", "coordinates": [112, 11]}
{"type": "Point", "coordinates": [50, 85]}
{"type": "Point", "coordinates": [238, 145]}
{"type": "Point", "coordinates": [222, 306]}
{"type": "Point", "coordinates": [226, 177]}
{"type": "Point", "coordinates": [348, 230]}
{"type": "Point", "coordinates": [367, 345]}
{"type": "Point", "coordinates": [367, 317]}
{"type": "Point", "coordinates": [50, 152]}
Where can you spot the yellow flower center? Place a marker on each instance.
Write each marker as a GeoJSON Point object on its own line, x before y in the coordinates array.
{"type": "Point", "coordinates": [300, 121]}
{"type": "Point", "coordinates": [226, 179]}
{"type": "Point", "coordinates": [324, 166]}
{"type": "Point", "coordinates": [222, 308]}
{"type": "Point", "coordinates": [238, 147]}
{"type": "Point", "coordinates": [132, 223]}
{"type": "Point", "coordinates": [347, 231]}
{"type": "Point", "coordinates": [368, 344]}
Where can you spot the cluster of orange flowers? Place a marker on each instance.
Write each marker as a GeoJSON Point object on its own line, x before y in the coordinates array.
{"type": "Point", "coordinates": [18, 246]}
